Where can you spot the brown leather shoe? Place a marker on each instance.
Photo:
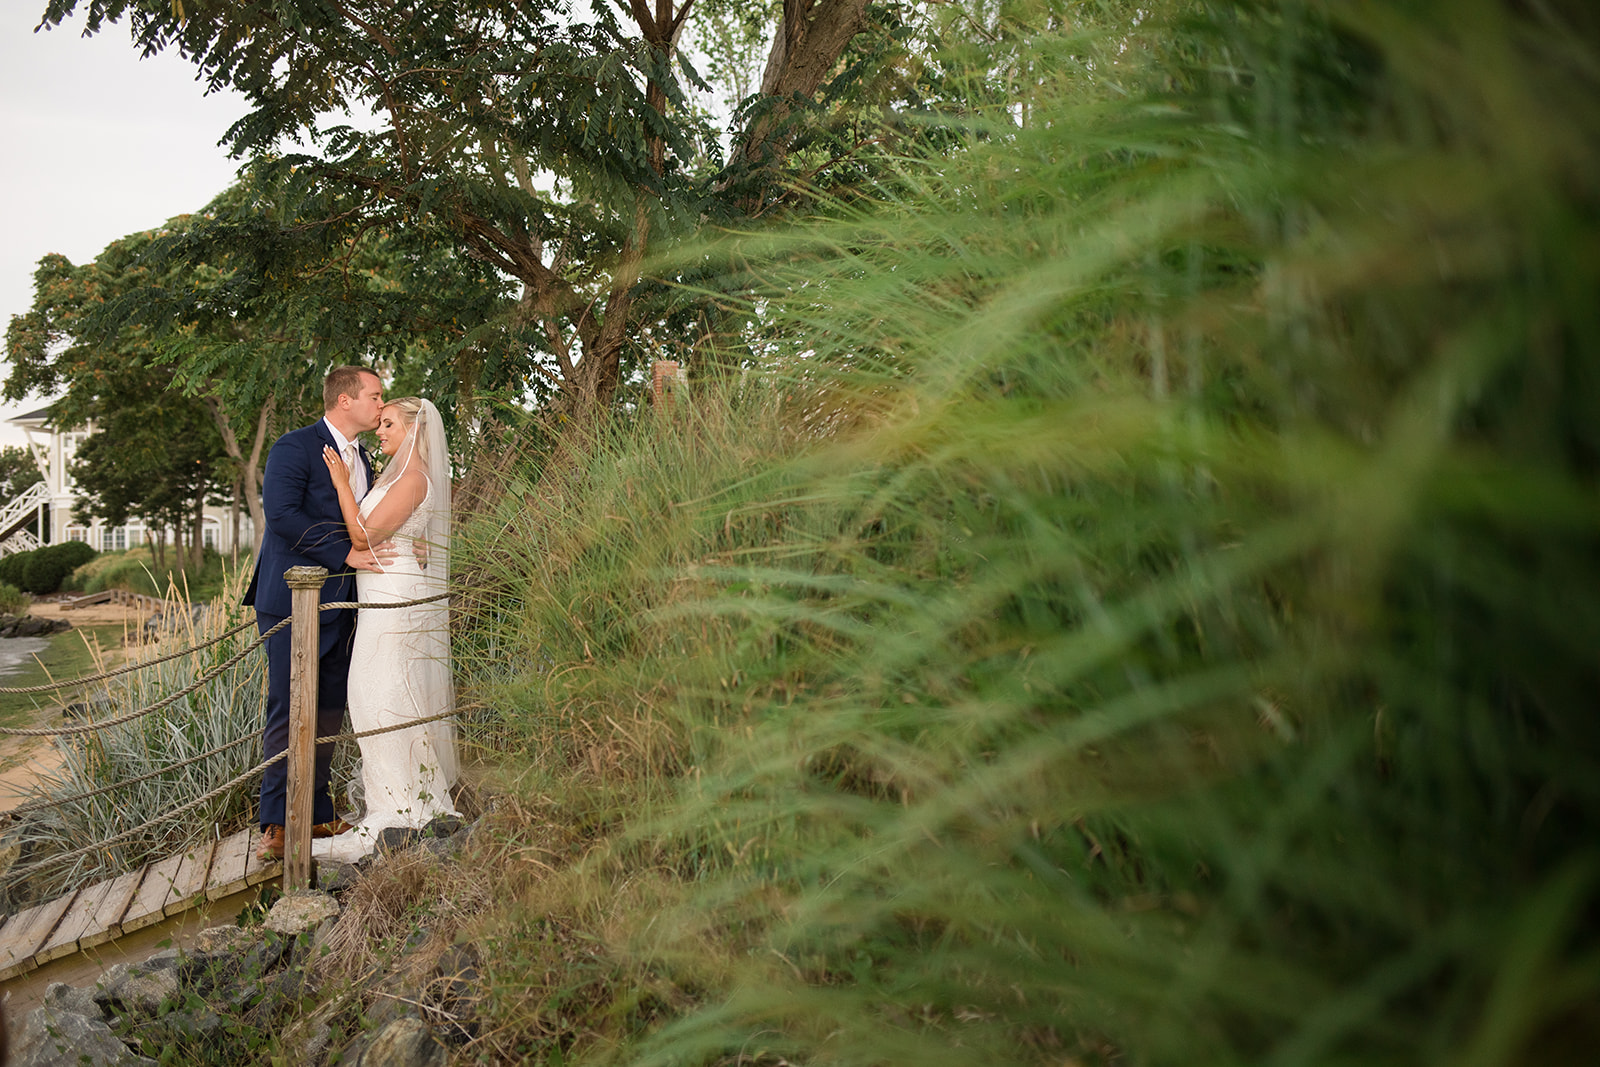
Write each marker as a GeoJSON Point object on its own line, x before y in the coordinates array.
{"type": "Point", "coordinates": [331, 829]}
{"type": "Point", "coordinates": [271, 847]}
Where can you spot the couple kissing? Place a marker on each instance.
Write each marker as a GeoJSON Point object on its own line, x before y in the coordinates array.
{"type": "Point", "coordinates": [380, 539]}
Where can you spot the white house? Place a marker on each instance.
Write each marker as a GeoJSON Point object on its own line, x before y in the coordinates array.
{"type": "Point", "coordinates": [44, 511]}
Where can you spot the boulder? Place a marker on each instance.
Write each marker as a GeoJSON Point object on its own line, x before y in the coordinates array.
{"type": "Point", "coordinates": [301, 912]}
{"type": "Point", "coordinates": [405, 1042]}
{"type": "Point", "coordinates": [50, 1036]}
{"type": "Point", "coordinates": [397, 838]}
{"type": "Point", "coordinates": [137, 988]}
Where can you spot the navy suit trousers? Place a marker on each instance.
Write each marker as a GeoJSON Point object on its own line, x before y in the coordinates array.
{"type": "Point", "coordinates": [333, 677]}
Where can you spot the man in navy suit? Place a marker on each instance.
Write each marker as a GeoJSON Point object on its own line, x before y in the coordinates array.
{"type": "Point", "coordinates": [305, 528]}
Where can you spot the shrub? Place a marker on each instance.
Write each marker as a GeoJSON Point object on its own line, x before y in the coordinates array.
{"type": "Point", "coordinates": [47, 567]}
{"type": "Point", "coordinates": [12, 566]}
{"type": "Point", "coordinates": [13, 601]}
{"type": "Point", "coordinates": [74, 553]}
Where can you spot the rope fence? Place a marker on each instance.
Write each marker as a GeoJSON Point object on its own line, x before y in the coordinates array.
{"type": "Point", "coordinates": [309, 613]}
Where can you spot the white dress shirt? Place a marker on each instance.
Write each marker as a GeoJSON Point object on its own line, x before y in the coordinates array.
{"type": "Point", "coordinates": [347, 449]}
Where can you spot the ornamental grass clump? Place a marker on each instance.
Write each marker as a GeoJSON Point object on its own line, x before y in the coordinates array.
{"type": "Point", "coordinates": [1183, 653]}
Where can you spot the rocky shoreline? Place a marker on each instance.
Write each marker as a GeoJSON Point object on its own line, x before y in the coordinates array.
{"type": "Point", "coordinates": [31, 626]}
{"type": "Point", "coordinates": [244, 986]}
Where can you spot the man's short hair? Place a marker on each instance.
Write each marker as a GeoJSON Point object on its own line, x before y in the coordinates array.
{"type": "Point", "coordinates": [343, 381]}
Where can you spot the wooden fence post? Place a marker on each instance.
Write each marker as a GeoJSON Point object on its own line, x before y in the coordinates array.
{"type": "Point", "coordinates": [305, 589]}
{"type": "Point", "coordinates": [665, 383]}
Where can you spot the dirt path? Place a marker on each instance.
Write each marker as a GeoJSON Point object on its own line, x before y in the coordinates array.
{"type": "Point", "coordinates": [24, 759]}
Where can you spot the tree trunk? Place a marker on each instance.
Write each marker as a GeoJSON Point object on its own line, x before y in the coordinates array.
{"type": "Point", "coordinates": [250, 466]}
{"type": "Point", "coordinates": [805, 52]}
{"type": "Point", "coordinates": [197, 540]}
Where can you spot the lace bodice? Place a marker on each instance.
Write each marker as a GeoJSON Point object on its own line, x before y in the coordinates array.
{"type": "Point", "coordinates": [416, 525]}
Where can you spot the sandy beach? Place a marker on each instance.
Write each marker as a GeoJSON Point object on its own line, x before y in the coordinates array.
{"type": "Point", "coordinates": [22, 759]}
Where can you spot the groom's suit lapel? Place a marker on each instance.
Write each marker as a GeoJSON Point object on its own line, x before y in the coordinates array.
{"type": "Point", "coordinates": [321, 426]}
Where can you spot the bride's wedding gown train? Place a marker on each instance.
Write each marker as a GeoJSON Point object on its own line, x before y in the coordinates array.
{"type": "Point", "coordinates": [399, 672]}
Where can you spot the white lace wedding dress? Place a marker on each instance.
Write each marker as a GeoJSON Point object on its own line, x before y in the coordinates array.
{"type": "Point", "coordinates": [399, 671]}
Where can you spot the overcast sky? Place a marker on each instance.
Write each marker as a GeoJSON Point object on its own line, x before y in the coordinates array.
{"type": "Point", "coordinates": [97, 143]}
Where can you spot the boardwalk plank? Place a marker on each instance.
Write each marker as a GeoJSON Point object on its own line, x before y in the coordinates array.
{"type": "Point", "coordinates": [189, 883]}
{"type": "Point", "coordinates": [12, 960]}
{"type": "Point", "coordinates": [255, 871]}
{"type": "Point", "coordinates": [152, 895]}
{"type": "Point", "coordinates": [229, 864]}
{"type": "Point", "coordinates": [74, 923]}
{"type": "Point", "coordinates": [35, 927]}
{"type": "Point", "coordinates": [108, 920]}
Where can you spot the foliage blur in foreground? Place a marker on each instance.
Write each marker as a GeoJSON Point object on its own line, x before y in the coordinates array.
{"type": "Point", "coordinates": [1143, 609]}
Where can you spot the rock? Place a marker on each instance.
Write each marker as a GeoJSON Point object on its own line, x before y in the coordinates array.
{"type": "Point", "coordinates": [444, 848]}
{"type": "Point", "coordinates": [59, 996]}
{"type": "Point", "coordinates": [454, 992]}
{"type": "Point", "coordinates": [335, 877]}
{"type": "Point", "coordinates": [273, 997]}
{"type": "Point", "coordinates": [265, 954]}
{"type": "Point", "coordinates": [50, 1037]}
{"type": "Point", "coordinates": [443, 826]}
{"type": "Point", "coordinates": [397, 838]}
{"type": "Point", "coordinates": [196, 1024]}
{"type": "Point", "coordinates": [32, 626]}
{"type": "Point", "coordinates": [137, 988]}
{"type": "Point", "coordinates": [222, 940]}
{"type": "Point", "coordinates": [307, 1040]}
{"type": "Point", "coordinates": [300, 911]}
{"type": "Point", "coordinates": [404, 1042]}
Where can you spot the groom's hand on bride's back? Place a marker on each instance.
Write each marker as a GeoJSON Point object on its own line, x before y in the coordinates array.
{"type": "Point", "coordinates": [372, 559]}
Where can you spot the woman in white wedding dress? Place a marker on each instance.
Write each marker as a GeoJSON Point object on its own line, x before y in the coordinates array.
{"type": "Point", "coordinates": [400, 665]}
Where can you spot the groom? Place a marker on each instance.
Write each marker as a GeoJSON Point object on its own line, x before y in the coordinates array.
{"type": "Point", "coordinates": [305, 528]}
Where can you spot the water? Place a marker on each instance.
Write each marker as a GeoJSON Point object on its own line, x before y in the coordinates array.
{"type": "Point", "coordinates": [15, 651]}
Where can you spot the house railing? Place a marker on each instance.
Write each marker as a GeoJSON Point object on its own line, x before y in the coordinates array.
{"type": "Point", "coordinates": [14, 536]}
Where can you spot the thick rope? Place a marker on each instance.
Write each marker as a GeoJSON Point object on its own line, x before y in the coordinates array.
{"type": "Point", "coordinates": [165, 702]}
{"type": "Point", "coordinates": [351, 605]}
{"type": "Point", "coordinates": [172, 699]}
{"type": "Point", "coordinates": [141, 665]}
{"type": "Point", "coordinates": [408, 724]}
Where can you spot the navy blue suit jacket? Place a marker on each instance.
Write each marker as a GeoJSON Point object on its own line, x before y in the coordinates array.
{"type": "Point", "coordinates": [305, 527]}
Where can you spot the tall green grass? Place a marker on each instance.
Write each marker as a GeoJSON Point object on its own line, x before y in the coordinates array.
{"type": "Point", "coordinates": [1147, 613]}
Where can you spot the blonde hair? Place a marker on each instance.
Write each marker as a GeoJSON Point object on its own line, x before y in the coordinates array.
{"type": "Point", "coordinates": [410, 407]}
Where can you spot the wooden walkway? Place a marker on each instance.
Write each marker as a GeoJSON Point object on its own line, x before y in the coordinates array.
{"type": "Point", "coordinates": [107, 910]}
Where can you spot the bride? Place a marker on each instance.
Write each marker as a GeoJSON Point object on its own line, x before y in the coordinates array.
{"type": "Point", "coordinates": [400, 664]}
